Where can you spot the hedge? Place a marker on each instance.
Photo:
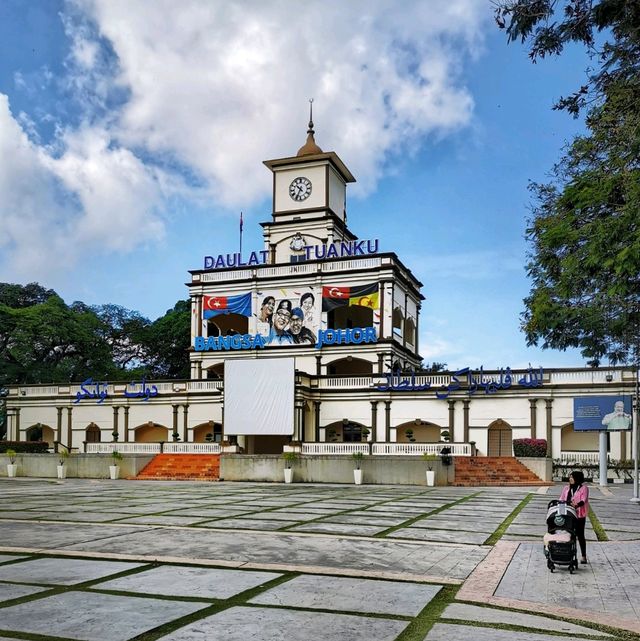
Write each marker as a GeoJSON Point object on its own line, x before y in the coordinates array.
{"type": "Point", "coordinates": [530, 447]}
{"type": "Point", "coordinates": [24, 447]}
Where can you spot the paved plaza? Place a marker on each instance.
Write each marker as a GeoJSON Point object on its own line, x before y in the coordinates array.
{"type": "Point", "coordinates": [125, 560]}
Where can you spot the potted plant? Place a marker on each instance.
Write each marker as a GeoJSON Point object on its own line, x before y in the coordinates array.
{"type": "Point", "coordinates": [409, 434]}
{"type": "Point", "coordinates": [12, 468]}
{"type": "Point", "coordinates": [114, 468]}
{"type": "Point", "coordinates": [289, 459]}
{"type": "Point", "coordinates": [431, 475]}
{"type": "Point", "coordinates": [357, 473]}
{"type": "Point", "coordinates": [63, 455]}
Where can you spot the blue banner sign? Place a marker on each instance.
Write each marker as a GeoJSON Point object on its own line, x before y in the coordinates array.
{"type": "Point", "coordinates": [352, 336]}
{"type": "Point", "coordinates": [311, 252]}
{"type": "Point", "coordinates": [602, 413]}
{"type": "Point", "coordinates": [473, 381]}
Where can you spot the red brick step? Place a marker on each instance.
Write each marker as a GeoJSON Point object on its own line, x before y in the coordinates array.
{"type": "Point", "coordinates": [478, 471]}
{"type": "Point", "coordinates": [181, 467]}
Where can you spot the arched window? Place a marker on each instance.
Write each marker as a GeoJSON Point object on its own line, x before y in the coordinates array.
{"type": "Point", "coordinates": [350, 366]}
{"type": "Point", "coordinates": [398, 322]}
{"type": "Point", "coordinates": [92, 433]}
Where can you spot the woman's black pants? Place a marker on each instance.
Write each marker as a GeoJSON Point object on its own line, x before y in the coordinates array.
{"type": "Point", "coordinates": [580, 536]}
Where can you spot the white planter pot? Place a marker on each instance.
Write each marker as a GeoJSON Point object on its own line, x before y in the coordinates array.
{"type": "Point", "coordinates": [114, 471]}
{"type": "Point", "coordinates": [12, 470]}
{"type": "Point", "coordinates": [288, 475]}
{"type": "Point", "coordinates": [62, 471]}
{"type": "Point", "coordinates": [357, 477]}
{"type": "Point", "coordinates": [431, 478]}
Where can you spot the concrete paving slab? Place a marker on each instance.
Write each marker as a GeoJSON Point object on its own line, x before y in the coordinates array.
{"type": "Point", "coordinates": [268, 624]}
{"type": "Point", "coordinates": [465, 612]}
{"type": "Point", "coordinates": [62, 571]}
{"type": "Point", "coordinates": [447, 536]}
{"type": "Point", "coordinates": [12, 591]}
{"type": "Point", "coordinates": [339, 528]}
{"type": "Point", "coordinates": [443, 524]}
{"type": "Point", "coordinates": [248, 524]}
{"type": "Point", "coordinates": [163, 520]}
{"type": "Point", "coordinates": [382, 556]}
{"type": "Point", "coordinates": [360, 518]}
{"type": "Point", "coordinates": [350, 595]}
{"type": "Point", "coordinates": [207, 583]}
{"type": "Point", "coordinates": [450, 632]}
{"type": "Point", "coordinates": [92, 617]}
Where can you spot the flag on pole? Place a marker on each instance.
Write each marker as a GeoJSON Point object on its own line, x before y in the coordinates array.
{"type": "Point", "coordinates": [215, 305]}
{"type": "Point", "coordinates": [364, 295]}
{"type": "Point", "coordinates": [241, 223]}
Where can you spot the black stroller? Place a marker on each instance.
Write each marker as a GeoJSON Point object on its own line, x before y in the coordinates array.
{"type": "Point", "coordinates": [560, 540]}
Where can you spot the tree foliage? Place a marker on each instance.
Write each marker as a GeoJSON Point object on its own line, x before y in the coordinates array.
{"type": "Point", "coordinates": [585, 229]}
{"type": "Point", "coordinates": [43, 340]}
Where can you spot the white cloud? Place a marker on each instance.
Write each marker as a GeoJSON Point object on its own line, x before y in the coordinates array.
{"type": "Point", "coordinates": [208, 90]}
{"type": "Point", "coordinates": [91, 199]}
{"type": "Point", "coordinates": [221, 86]}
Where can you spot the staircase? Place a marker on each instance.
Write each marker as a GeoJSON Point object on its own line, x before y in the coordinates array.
{"type": "Point", "coordinates": [181, 467]}
{"type": "Point", "coordinates": [480, 471]}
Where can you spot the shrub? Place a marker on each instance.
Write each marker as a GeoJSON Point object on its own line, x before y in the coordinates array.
{"type": "Point", "coordinates": [24, 447]}
{"type": "Point", "coordinates": [289, 459]}
{"type": "Point", "coordinates": [530, 447]}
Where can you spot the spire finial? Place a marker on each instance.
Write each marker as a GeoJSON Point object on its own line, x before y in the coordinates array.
{"type": "Point", "coordinates": [310, 130]}
{"type": "Point", "coordinates": [310, 148]}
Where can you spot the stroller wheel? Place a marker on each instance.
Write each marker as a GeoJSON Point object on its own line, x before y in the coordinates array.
{"type": "Point", "coordinates": [551, 565]}
{"type": "Point", "coordinates": [571, 569]}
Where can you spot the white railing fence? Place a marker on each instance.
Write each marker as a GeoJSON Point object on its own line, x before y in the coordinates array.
{"type": "Point", "coordinates": [418, 449]}
{"type": "Point", "coordinates": [191, 448]}
{"type": "Point", "coordinates": [123, 448]}
{"type": "Point", "coordinates": [334, 448]}
{"type": "Point", "coordinates": [592, 458]}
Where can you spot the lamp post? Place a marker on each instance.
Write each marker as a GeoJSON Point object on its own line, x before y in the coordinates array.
{"type": "Point", "coordinates": [635, 434]}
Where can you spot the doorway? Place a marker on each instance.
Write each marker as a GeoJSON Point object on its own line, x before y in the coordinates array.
{"type": "Point", "coordinates": [500, 441]}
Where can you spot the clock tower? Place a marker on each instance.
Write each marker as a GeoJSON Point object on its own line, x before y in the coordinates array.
{"type": "Point", "coordinates": [309, 199]}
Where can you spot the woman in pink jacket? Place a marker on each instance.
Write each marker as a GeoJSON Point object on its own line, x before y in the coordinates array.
{"type": "Point", "coordinates": [576, 494]}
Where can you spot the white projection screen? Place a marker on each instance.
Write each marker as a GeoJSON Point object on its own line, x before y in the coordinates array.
{"type": "Point", "coordinates": [258, 396]}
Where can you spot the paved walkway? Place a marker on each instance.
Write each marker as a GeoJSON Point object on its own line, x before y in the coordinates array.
{"type": "Point", "coordinates": [263, 562]}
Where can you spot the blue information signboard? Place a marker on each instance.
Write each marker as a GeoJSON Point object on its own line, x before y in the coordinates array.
{"type": "Point", "coordinates": [602, 413]}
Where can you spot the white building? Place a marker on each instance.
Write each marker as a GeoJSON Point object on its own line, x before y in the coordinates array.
{"type": "Point", "coordinates": [308, 331]}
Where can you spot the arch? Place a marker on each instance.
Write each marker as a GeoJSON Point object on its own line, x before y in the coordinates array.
{"type": "Point", "coordinates": [151, 433]}
{"type": "Point", "coordinates": [228, 325]}
{"type": "Point", "coordinates": [40, 432]}
{"type": "Point", "coordinates": [350, 316]}
{"type": "Point", "coordinates": [398, 322]}
{"type": "Point", "coordinates": [350, 366]}
{"type": "Point", "coordinates": [410, 331]}
{"type": "Point", "coordinates": [500, 440]}
{"type": "Point", "coordinates": [578, 441]}
{"type": "Point", "coordinates": [209, 432]}
{"type": "Point", "coordinates": [92, 433]}
{"type": "Point", "coordinates": [346, 431]}
{"type": "Point", "coordinates": [418, 431]}
{"type": "Point", "coordinates": [216, 371]}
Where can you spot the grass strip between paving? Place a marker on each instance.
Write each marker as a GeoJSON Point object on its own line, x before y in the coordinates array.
{"type": "Point", "coordinates": [597, 526]}
{"type": "Point", "coordinates": [502, 528]}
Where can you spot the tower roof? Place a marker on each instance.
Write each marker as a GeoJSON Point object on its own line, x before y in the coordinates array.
{"type": "Point", "coordinates": [310, 148]}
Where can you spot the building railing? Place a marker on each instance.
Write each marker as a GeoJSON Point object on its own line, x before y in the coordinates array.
{"type": "Point", "coordinates": [191, 448]}
{"type": "Point", "coordinates": [123, 448]}
{"type": "Point", "coordinates": [586, 376]}
{"type": "Point", "coordinates": [334, 448]}
{"type": "Point", "coordinates": [592, 458]}
{"type": "Point", "coordinates": [418, 449]}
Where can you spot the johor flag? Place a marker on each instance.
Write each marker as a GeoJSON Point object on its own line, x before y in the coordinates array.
{"type": "Point", "coordinates": [214, 305]}
{"type": "Point", "coordinates": [364, 295]}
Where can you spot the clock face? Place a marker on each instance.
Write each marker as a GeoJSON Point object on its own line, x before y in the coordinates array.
{"type": "Point", "coordinates": [300, 188]}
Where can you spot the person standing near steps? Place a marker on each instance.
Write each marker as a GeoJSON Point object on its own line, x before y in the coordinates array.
{"type": "Point", "coordinates": [576, 494]}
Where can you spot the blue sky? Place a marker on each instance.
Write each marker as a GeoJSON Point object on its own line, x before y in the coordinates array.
{"type": "Point", "coordinates": [133, 134]}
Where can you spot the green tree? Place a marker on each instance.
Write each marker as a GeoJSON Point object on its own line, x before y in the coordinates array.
{"type": "Point", "coordinates": [167, 343]}
{"type": "Point", "coordinates": [585, 228]}
{"type": "Point", "coordinates": [50, 342]}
